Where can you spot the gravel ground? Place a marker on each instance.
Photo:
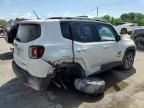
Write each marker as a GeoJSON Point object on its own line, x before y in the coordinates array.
{"type": "Point", "coordinates": [123, 89]}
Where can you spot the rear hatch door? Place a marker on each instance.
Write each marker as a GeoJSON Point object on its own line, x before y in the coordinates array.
{"type": "Point", "coordinates": [26, 34]}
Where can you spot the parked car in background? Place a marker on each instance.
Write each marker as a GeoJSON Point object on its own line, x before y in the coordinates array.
{"type": "Point", "coordinates": [68, 48]}
{"type": "Point", "coordinates": [125, 27]}
{"type": "Point", "coordinates": [138, 37]}
{"type": "Point", "coordinates": [2, 30]}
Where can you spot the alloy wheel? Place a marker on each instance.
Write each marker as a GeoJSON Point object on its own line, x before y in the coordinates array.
{"type": "Point", "coordinates": [129, 61]}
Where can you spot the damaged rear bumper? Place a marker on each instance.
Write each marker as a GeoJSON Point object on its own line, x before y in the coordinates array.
{"type": "Point", "coordinates": [31, 81]}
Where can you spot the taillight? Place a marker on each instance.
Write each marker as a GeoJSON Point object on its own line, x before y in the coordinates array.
{"type": "Point", "coordinates": [36, 52]}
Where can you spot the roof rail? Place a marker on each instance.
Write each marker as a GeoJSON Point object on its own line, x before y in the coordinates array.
{"type": "Point", "coordinates": [101, 20]}
{"type": "Point", "coordinates": [78, 18]}
{"type": "Point", "coordinates": [83, 16]}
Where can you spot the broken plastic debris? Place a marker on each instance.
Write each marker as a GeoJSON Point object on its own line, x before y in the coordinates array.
{"type": "Point", "coordinates": [90, 85]}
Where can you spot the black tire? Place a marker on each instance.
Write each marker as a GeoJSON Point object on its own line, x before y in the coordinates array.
{"type": "Point", "coordinates": [124, 31]}
{"type": "Point", "coordinates": [139, 42]}
{"type": "Point", "coordinates": [8, 39]}
{"type": "Point", "coordinates": [128, 61]}
{"type": "Point", "coordinates": [11, 34]}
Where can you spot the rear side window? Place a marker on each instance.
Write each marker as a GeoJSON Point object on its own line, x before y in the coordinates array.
{"type": "Point", "coordinates": [28, 32]}
{"type": "Point", "coordinates": [84, 32]}
{"type": "Point", "coordinates": [65, 29]}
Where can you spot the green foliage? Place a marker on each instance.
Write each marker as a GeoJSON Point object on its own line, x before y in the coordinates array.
{"type": "Point", "coordinates": [107, 18]}
{"type": "Point", "coordinates": [3, 22]}
{"type": "Point", "coordinates": [111, 19]}
{"type": "Point", "coordinates": [133, 17]}
{"type": "Point", "coordinates": [117, 20]}
{"type": "Point", "coordinates": [126, 17]}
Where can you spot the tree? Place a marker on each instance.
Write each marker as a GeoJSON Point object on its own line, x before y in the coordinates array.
{"type": "Point", "coordinates": [124, 17]}
{"type": "Point", "coordinates": [113, 20]}
{"type": "Point", "coordinates": [3, 22]}
{"type": "Point", "coordinates": [118, 20]}
{"type": "Point", "coordinates": [107, 18]}
{"type": "Point", "coordinates": [133, 17]}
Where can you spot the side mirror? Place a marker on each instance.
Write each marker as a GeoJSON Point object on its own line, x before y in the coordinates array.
{"type": "Point", "coordinates": [118, 38]}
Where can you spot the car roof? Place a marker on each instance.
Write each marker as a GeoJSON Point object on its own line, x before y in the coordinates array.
{"type": "Point", "coordinates": [57, 19]}
{"type": "Point", "coordinates": [77, 19]}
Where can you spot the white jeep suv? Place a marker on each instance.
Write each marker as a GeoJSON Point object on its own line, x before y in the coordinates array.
{"type": "Point", "coordinates": [72, 47]}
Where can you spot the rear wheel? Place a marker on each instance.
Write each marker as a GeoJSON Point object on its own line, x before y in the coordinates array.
{"type": "Point", "coordinates": [124, 31]}
{"type": "Point", "coordinates": [128, 61]}
{"type": "Point", "coordinates": [139, 41]}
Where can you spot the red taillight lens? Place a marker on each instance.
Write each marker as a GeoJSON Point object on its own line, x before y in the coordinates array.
{"type": "Point", "coordinates": [36, 52]}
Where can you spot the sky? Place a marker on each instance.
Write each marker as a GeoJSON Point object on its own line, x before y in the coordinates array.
{"type": "Point", "coordinates": [10, 9]}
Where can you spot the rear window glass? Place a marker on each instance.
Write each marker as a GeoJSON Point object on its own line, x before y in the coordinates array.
{"type": "Point", "coordinates": [65, 29]}
{"type": "Point", "coordinates": [28, 32]}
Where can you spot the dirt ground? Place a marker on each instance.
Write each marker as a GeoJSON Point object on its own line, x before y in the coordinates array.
{"type": "Point", "coordinates": [123, 89]}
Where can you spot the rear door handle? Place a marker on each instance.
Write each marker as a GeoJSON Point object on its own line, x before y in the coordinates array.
{"type": "Point", "coordinates": [105, 47]}
{"type": "Point", "coordinates": [81, 49]}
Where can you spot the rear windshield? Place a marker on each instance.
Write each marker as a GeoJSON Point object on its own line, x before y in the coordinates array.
{"type": "Point", "coordinates": [28, 32]}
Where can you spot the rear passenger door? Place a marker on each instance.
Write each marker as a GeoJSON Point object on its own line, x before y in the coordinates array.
{"type": "Point", "coordinates": [86, 45]}
{"type": "Point", "coordinates": [110, 48]}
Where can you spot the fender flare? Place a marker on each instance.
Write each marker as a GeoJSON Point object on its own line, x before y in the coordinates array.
{"type": "Point", "coordinates": [131, 48]}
